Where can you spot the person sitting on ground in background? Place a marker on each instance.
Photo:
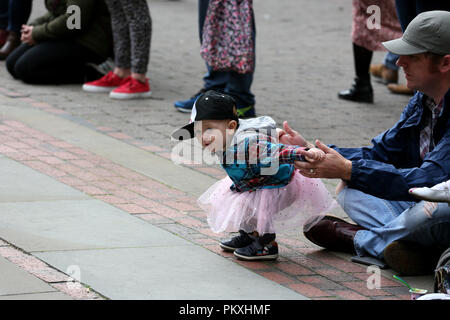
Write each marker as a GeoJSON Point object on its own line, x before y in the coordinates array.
{"type": "Point", "coordinates": [55, 49]}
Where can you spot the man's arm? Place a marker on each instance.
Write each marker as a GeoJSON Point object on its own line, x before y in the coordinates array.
{"type": "Point", "coordinates": [381, 179]}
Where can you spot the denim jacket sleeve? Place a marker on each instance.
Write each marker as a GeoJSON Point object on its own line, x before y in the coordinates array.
{"type": "Point", "coordinates": [392, 165]}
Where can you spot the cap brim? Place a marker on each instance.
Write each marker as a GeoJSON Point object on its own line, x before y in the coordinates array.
{"type": "Point", "coordinates": [402, 48]}
{"type": "Point", "coordinates": [184, 133]}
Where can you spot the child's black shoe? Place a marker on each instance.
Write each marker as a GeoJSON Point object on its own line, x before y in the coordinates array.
{"type": "Point", "coordinates": [258, 251]}
{"type": "Point", "coordinates": [240, 241]}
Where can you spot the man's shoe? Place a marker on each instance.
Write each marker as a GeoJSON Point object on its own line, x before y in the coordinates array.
{"type": "Point", "coordinates": [361, 91]}
{"type": "Point", "coordinates": [246, 111]}
{"type": "Point", "coordinates": [106, 83]}
{"type": "Point", "coordinates": [187, 105]}
{"type": "Point", "coordinates": [258, 251]}
{"type": "Point", "coordinates": [383, 73]}
{"type": "Point", "coordinates": [410, 258]}
{"type": "Point", "coordinates": [400, 89]}
{"type": "Point", "coordinates": [334, 234]}
{"type": "Point", "coordinates": [240, 241]}
{"type": "Point", "coordinates": [12, 42]}
{"type": "Point", "coordinates": [132, 89]}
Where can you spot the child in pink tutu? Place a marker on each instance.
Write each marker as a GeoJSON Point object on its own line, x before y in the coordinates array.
{"type": "Point", "coordinates": [263, 193]}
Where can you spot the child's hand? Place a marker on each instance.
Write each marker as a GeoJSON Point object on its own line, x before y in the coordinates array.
{"type": "Point", "coordinates": [313, 155]}
{"type": "Point", "coordinates": [290, 137]}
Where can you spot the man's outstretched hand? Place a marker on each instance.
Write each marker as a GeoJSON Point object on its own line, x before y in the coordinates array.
{"type": "Point", "coordinates": [333, 166]}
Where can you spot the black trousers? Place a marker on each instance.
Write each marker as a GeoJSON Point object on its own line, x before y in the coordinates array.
{"type": "Point", "coordinates": [52, 62]}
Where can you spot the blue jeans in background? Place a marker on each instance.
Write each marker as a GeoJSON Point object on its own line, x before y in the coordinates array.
{"type": "Point", "coordinates": [390, 61]}
{"type": "Point", "coordinates": [387, 221]}
{"type": "Point", "coordinates": [14, 13]}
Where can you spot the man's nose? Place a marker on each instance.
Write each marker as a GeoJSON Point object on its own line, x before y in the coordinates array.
{"type": "Point", "coordinates": [400, 62]}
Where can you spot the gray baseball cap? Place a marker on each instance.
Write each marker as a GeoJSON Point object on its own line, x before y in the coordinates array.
{"type": "Point", "coordinates": [428, 32]}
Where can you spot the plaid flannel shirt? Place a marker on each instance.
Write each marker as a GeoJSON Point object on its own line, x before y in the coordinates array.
{"type": "Point", "coordinates": [426, 135]}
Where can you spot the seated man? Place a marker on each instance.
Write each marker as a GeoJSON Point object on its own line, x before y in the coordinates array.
{"type": "Point", "coordinates": [415, 152]}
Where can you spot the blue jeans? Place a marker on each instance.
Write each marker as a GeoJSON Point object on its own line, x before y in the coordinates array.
{"type": "Point", "coordinates": [390, 60]}
{"type": "Point", "coordinates": [14, 13]}
{"type": "Point", "coordinates": [387, 221]}
{"type": "Point", "coordinates": [230, 82]}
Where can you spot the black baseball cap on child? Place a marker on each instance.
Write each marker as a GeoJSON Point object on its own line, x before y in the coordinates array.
{"type": "Point", "coordinates": [211, 105]}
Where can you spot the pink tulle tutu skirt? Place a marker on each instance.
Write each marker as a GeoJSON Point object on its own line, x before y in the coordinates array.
{"type": "Point", "coordinates": [295, 207]}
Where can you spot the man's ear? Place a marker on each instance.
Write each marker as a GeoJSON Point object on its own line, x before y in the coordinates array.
{"type": "Point", "coordinates": [445, 64]}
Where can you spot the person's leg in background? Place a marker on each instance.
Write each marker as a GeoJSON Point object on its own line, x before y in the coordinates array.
{"type": "Point", "coordinates": [212, 80]}
{"type": "Point", "coordinates": [18, 13]}
{"type": "Point", "coordinates": [387, 71]}
{"type": "Point", "coordinates": [138, 38]}
{"type": "Point", "coordinates": [424, 5]}
{"type": "Point", "coordinates": [122, 53]}
{"type": "Point", "coordinates": [233, 83]}
{"type": "Point", "coordinates": [140, 30]}
{"type": "Point", "coordinates": [121, 39]}
{"type": "Point", "coordinates": [14, 57]}
{"type": "Point", "coordinates": [361, 90]}
{"type": "Point", "coordinates": [52, 62]}
{"type": "Point", "coordinates": [239, 85]}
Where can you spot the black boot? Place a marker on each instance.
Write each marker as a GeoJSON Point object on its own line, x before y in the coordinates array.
{"type": "Point", "coordinates": [361, 91]}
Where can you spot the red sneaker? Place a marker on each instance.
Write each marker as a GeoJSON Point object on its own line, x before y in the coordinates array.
{"type": "Point", "coordinates": [132, 89]}
{"type": "Point", "coordinates": [108, 82]}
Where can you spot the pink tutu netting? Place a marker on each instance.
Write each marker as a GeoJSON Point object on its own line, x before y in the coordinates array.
{"type": "Point", "coordinates": [300, 204]}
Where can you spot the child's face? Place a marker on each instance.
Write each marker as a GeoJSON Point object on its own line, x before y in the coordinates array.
{"type": "Point", "coordinates": [214, 134]}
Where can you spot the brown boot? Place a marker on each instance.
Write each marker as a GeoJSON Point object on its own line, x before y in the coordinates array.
{"type": "Point", "coordinates": [3, 36]}
{"type": "Point", "coordinates": [383, 73]}
{"type": "Point", "coordinates": [12, 42]}
{"type": "Point", "coordinates": [375, 70]}
{"type": "Point", "coordinates": [334, 234]}
{"type": "Point", "coordinates": [400, 89]}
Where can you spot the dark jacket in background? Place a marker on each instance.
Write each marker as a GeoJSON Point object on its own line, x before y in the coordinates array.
{"type": "Point", "coordinates": [95, 32]}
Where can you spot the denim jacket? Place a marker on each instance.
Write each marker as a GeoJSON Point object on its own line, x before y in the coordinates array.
{"type": "Point", "coordinates": [392, 165]}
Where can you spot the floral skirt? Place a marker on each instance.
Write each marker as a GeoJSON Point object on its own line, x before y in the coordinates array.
{"type": "Point", "coordinates": [371, 38]}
